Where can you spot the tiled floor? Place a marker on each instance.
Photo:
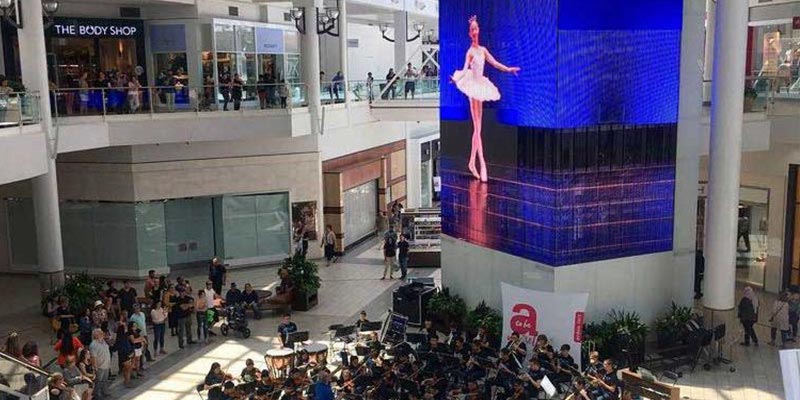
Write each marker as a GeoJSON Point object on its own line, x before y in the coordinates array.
{"type": "Point", "coordinates": [348, 287]}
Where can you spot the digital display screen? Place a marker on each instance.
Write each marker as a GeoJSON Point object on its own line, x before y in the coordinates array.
{"type": "Point", "coordinates": [559, 123]}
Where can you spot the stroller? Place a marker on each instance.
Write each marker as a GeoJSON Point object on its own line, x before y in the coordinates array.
{"type": "Point", "coordinates": [235, 320]}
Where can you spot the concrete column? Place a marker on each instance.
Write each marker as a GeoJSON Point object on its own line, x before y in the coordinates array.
{"type": "Point", "coordinates": [310, 62]}
{"type": "Point", "coordinates": [725, 153]}
{"type": "Point", "coordinates": [400, 35]}
{"type": "Point", "coordinates": [343, 50]}
{"type": "Point", "coordinates": [33, 62]}
{"type": "Point", "coordinates": [708, 58]}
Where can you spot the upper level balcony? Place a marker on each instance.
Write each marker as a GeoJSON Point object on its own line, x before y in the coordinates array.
{"type": "Point", "coordinates": [22, 139]}
{"type": "Point", "coordinates": [92, 117]}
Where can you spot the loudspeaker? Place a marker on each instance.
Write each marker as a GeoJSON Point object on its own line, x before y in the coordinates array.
{"type": "Point", "coordinates": [412, 301]}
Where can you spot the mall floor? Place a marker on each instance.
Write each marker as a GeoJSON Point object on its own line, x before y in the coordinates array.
{"type": "Point", "coordinates": [348, 287]}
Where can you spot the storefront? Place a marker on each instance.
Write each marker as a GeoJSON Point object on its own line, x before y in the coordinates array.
{"type": "Point", "coordinates": [773, 57]}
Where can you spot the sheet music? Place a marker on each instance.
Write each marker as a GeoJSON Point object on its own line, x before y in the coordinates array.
{"type": "Point", "coordinates": [548, 387]}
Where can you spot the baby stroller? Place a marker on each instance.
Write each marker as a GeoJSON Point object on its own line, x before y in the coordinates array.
{"type": "Point", "coordinates": [235, 320]}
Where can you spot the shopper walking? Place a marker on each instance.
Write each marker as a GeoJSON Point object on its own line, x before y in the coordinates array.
{"type": "Point", "coordinates": [779, 320]}
{"type": "Point", "coordinates": [158, 316]}
{"type": "Point", "coordinates": [748, 315]}
{"type": "Point", "coordinates": [329, 243]}
{"type": "Point", "coordinates": [389, 252]}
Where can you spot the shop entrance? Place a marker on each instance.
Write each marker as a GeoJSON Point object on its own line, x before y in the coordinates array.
{"type": "Point", "coordinates": [791, 242]}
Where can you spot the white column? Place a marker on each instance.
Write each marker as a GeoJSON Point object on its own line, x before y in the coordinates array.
{"type": "Point", "coordinates": [708, 57]}
{"type": "Point", "coordinates": [310, 62]}
{"type": "Point", "coordinates": [343, 50]}
{"type": "Point", "coordinates": [725, 153]}
{"type": "Point", "coordinates": [33, 62]}
{"type": "Point", "coordinates": [400, 35]}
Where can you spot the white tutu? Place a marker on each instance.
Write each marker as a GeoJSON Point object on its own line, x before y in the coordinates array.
{"type": "Point", "coordinates": [475, 86]}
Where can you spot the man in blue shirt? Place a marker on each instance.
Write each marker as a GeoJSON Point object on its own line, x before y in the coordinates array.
{"type": "Point", "coordinates": [285, 328]}
{"type": "Point", "coordinates": [322, 389]}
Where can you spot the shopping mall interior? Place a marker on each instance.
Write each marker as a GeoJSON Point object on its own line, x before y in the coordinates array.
{"type": "Point", "coordinates": [575, 199]}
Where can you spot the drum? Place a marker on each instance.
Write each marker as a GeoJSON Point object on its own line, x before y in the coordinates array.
{"type": "Point", "coordinates": [317, 353]}
{"type": "Point", "coordinates": [279, 361]}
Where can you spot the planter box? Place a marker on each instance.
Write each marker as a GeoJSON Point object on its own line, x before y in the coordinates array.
{"type": "Point", "coordinates": [304, 301]}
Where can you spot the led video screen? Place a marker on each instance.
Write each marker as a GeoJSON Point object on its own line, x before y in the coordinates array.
{"type": "Point", "coordinates": [559, 124]}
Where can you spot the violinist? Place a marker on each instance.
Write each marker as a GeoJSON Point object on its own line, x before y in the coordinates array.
{"type": "Point", "coordinates": [564, 365]}
{"type": "Point", "coordinates": [470, 391]}
{"type": "Point", "coordinates": [264, 387]}
{"type": "Point", "coordinates": [580, 391]}
{"type": "Point", "coordinates": [435, 386]}
{"type": "Point", "coordinates": [214, 381]}
{"type": "Point", "coordinates": [294, 386]}
{"type": "Point", "coordinates": [322, 389]}
{"type": "Point", "coordinates": [517, 347]}
{"type": "Point", "coordinates": [346, 382]}
{"type": "Point", "coordinates": [250, 374]}
{"type": "Point", "coordinates": [386, 387]}
{"type": "Point", "coordinates": [459, 348]}
{"type": "Point", "coordinates": [518, 391]}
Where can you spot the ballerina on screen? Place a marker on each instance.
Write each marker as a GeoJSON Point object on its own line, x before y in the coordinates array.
{"type": "Point", "coordinates": [478, 88]}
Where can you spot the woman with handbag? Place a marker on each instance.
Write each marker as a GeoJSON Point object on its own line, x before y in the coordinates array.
{"type": "Point", "coordinates": [748, 315]}
{"type": "Point", "coordinates": [780, 319]}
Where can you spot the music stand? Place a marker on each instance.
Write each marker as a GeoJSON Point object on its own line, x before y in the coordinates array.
{"type": "Point", "coordinates": [344, 331]}
{"type": "Point", "coordinates": [296, 337]}
{"type": "Point", "coordinates": [416, 338]}
{"type": "Point", "coordinates": [363, 351]}
{"type": "Point", "coordinates": [371, 326]}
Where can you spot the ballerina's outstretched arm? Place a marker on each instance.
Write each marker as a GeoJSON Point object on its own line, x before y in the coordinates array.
{"type": "Point", "coordinates": [497, 64]}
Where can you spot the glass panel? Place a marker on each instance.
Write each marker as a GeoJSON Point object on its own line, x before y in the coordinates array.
{"type": "Point", "coordinates": [425, 187]}
{"type": "Point", "coordinates": [22, 378]}
{"type": "Point", "coordinates": [115, 235]}
{"type": "Point", "coordinates": [238, 222]}
{"type": "Point", "coordinates": [151, 234]}
{"type": "Point", "coordinates": [205, 37]}
{"type": "Point", "coordinates": [273, 223]}
{"type": "Point", "coordinates": [249, 75]}
{"type": "Point", "coordinates": [291, 41]}
{"type": "Point", "coordinates": [293, 68]}
{"type": "Point", "coordinates": [118, 54]}
{"type": "Point", "coordinates": [245, 39]}
{"type": "Point", "coordinates": [77, 233]}
{"type": "Point", "coordinates": [224, 36]}
{"type": "Point", "coordinates": [361, 208]}
{"type": "Point", "coordinates": [22, 231]}
{"type": "Point", "coordinates": [189, 230]}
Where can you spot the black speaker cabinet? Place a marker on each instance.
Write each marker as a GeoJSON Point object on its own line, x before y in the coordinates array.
{"type": "Point", "coordinates": [412, 301]}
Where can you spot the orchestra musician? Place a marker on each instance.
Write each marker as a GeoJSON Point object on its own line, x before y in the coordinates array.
{"type": "Point", "coordinates": [322, 389]}
{"type": "Point", "coordinates": [264, 386]}
{"type": "Point", "coordinates": [250, 374]}
{"type": "Point", "coordinates": [608, 384]}
{"type": "Point", "coordinates": [506, 373]}
{"type": "Point", "coordinates": [563, 364]}
{"type": "Point", "coordinates": [285, 328]}
{"type": "Point", "coordinates": [362, 319]}
{"type": "Point", "coordinates": [533, 377]}
{"type": "Point", "coordinates": [517, 347]}
{"type": "Point", "coordinates": [580, 391]}
{"type": "Point", "coordinates": [294, 386]}
{"type": "Point", "coordinates": [214, 381]}
{"type": "Point", "coordinates": [428, 329]}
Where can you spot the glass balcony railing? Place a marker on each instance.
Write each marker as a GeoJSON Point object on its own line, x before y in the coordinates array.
{"type": "Point", "coordinates": [71, 102]}
{"type": "Point", "coordinates": [19, 108]}
{"type": "Point", "coordinates": [23, 381]}
{"type": "Point", "coordinates": [409, 89]}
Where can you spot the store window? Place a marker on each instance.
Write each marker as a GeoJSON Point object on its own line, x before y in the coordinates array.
{"type": "Point", "coordinates": [775, 57]}
{"type": "Point", "coordinates": [254, 227]}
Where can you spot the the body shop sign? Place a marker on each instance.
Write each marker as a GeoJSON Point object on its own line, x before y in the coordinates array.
{"type": "Point", "coordinates": [87, 27]}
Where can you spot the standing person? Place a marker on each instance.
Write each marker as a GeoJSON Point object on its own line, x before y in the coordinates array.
{"type": "Point", "coordinates": [328, 242]}
{"type": "Point", "coordinates": [402, 255]}
{"type": "Point", "coordinates": [200, 308]}
{"type": "Point", "coordinates": [471, 81]}
{"type": "Point", "coordinates": [237, 85]}
{"type": "Point", "coordinates": [338, 83]}
{"type": "Point", "coordinates": [151, 284]}
{"type": "Point", "coordinates": [780, 319]}
{"type": "Point", "coordinates": [285, 328]}
{"type": "Point", "coordinates": [323, 86]}
{"type": "Point", "coordinates": [102, 363]}
{"type": "Point", "coordinates": [83, 94]}
{"type": "Point", "coordinates": [411, 83]}
{"type": "Point", "coordinates": [748, 315]}
{"type": "Point", "coordinates": [283, 93]}
{"type": "Point", "coordinates": [169, 90]}
{"type": "Point", "coordinates": [67, 346]}
{"type": "Point", "coordinates": [225, 90]}
{"type": "Point", "coordinates": [370, 83]}
{"type": "Point", "coordinates": [168, 300]}
{"type": "Point", "coordinates": [389, 252]}
{"type": "Point", "coordinates": [390, 81]}
{"type": "Point", "coordinates": [133, 95]}
{"type": "Point", "coordinates": [124, 350]}
{"type": "Point", "coordinates": [211, 306]}
{"type": "Point", "coordinates": [794, 310]}
{"type": "Point", "coordinates": [158, 316]}
{"type": "Point", "coordinates": [183, 310]}
{"type": "Point", "coordinates": [261, 89]}
{"type": "Point", "coordinates": [140, 319]}
{"type": "Point", "coordinates": [127, 297]}
{"type": "Point", "coordinates": [217, 274]}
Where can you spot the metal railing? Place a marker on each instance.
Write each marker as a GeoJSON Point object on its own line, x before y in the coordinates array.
{"type": "Point", "coordinates": [19, 108]}
{"type": "Point", "coordinates": [69, 102]}
{"type": "Point", "coordinates": [409, 89]}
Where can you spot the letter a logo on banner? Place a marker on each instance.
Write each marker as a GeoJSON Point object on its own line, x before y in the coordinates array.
{"type": "Point", "coordinates": [524, 319]}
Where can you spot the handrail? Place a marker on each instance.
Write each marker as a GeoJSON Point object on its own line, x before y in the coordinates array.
{"type": "Point", "coordinates": [19, 108]}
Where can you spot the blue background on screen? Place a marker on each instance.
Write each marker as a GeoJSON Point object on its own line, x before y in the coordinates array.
{"type": "Point", "coordinates": [583, 63]}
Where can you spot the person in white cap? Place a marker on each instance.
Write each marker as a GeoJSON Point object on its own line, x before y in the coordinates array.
{"type": "Point", "coordinates": [99, 314]}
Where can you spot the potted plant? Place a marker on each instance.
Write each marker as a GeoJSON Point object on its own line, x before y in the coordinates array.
{"type": "Point", "coordinates": [750, 96]}
{"type": "Point", "coordinates": [486, 317]}
{"type": "Point", "coordinates": [445, 309]}
{"type": "Point", "coordinates": [305, 280]}
{"type": "Point", "coordinates": [621, 336]}
{"type": "Point", "coordinates": [81, 289]}
{"type": "Point", "coordinates": [671, 327]}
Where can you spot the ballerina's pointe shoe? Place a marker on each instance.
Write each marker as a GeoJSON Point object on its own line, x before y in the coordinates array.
{"type": "Point", "coordinates": [474, 171]}
{"type": "Point", "coordinates": [484, 178]}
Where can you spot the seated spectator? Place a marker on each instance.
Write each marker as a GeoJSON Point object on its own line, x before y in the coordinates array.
{"type": "Point", "coordinates": [30, 352]}
{"type": "Point", "coordinates": [250, 300]}
{"type": "Point", "coordinates": [234, 295]}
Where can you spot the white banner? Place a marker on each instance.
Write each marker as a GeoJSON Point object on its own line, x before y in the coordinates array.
{"type": "Point", "coordinates": [559, 316]}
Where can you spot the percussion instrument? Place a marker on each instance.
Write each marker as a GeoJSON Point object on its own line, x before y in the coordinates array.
{"type": "Point", "coordinates": [317, 352]}
{"type": "Point", "coordinates": [279, 361]}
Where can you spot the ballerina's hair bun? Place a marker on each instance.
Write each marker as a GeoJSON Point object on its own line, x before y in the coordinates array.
{"type": "Point", "coordinates": [472, 19]}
